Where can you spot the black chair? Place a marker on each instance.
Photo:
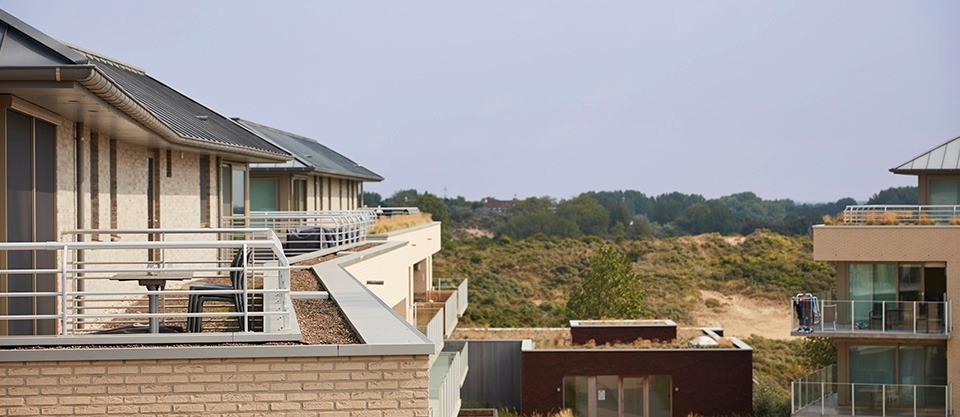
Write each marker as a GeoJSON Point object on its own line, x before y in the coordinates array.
{"type": "Point", "coordinates": [195, 305]}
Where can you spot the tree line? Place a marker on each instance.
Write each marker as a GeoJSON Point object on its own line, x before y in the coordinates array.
{"type": "Point", "coordinates": [632, 214]}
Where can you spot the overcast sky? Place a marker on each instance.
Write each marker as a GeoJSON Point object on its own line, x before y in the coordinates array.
{"type": "Point", "coordinates": [805, 100]}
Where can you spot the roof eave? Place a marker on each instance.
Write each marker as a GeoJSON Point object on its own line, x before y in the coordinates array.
{"type": "Point", "coordinates": [313, 170]}
{"type": "Point", "coordinates": [98, 83]}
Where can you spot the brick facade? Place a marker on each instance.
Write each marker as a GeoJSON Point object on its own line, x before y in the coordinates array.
{"type": "Point", "coordinates": [359, 386]}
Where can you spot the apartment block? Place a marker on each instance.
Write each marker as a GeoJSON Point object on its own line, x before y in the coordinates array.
{"type": "Point", "coordinates": [159, 258]}
{"type": "Point", "coordinates": [891, 315]}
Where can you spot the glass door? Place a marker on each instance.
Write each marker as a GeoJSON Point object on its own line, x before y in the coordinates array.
{"type": "Point", "coordinates": [618, 396]}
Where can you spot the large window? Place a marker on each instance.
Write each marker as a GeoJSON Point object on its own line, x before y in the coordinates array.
{"type": "Point", "coordinates": [30, 150]}
{"type": "Point", "coordinates": [907, 365]}
{"type": "Point", "coordinates": [618, 396]}
{"type": "Point", "coordinates": [264, 194]}
{"type": "Point", "coordinates": [233, 187]}
{"type": "Point", "coordinates": [945, 191]}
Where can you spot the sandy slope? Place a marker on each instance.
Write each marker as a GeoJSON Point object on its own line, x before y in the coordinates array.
{"type": "Point", "coordinates": [742, 316]}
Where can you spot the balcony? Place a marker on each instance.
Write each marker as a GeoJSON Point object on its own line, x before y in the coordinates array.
{"type": "Point", "coordinates": [924, 215]}
{"type": "Point", "coordinates": [872, 319]}
{"type": "Point", "coordinates": [302, 232]}
{"type": "Point", "coordinates": [138, 288]}
{"type": "Point", "coordinates": [445, 304]}
{"type": "Point", "coordinates": [821, 394]}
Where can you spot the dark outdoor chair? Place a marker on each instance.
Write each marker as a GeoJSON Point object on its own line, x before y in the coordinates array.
{"type": "Point", "coordinates": [195, 305]}
{"type": "Point", "coordinates": [139, 328]}
{"type": "Point", "coordinates": [304, 239]}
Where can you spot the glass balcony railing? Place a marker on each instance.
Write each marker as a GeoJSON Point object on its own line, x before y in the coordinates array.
{"type": "Point", "coordinates": [823, 317]}
{"type": "Point", "coordinates": [820, 394]}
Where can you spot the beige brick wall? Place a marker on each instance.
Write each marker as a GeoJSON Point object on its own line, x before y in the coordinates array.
{"type": "Point", "coordinates": [901, 244]}
{"type": "Point", "coordinates": [374, 386]}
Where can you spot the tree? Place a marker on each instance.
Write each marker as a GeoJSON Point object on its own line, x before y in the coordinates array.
{"type": "Point", "coordinates": [429, 203]}
{"type": "Point", "coordinates": [589, 216]}
{"type": "Point", "coordinates": [895, 195]}
{"type": "Point", "coordinates": [609, 290]}
{"type": "Point", "coordinates": [372, 199]}
{"type": "Point", "coordinates": [402, 198]}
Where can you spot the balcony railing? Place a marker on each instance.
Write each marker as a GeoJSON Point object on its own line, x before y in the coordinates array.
{"type": "Point", "coordinates": [900, 317]}
{"type": "Point", "coordinates": [901, 214]}
{"type": "Point", "coordinates": [820, 394]}
{"type": "Point", "coordinates": [303, 231]}
{"type": "Point", "coordinates": [89, 291]}
{"type": "Point", "coordinates": [446, 378]}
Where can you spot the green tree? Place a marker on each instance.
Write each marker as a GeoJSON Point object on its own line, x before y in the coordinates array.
{"type": "Point", "coordinates": [589, 216]}
{"type": "Point", "coordinates": [372, 199]}
{"type": "Point", "coordinates": [429, 203]}
{"type": "Point", "coordinates": [895, 195]}
{"type": "Point", "coordinates": [402, 198]}
{"type": "Point", "coordinates": [609, 290]}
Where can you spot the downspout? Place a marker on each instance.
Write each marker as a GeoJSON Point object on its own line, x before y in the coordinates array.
{"type": "Point", "coordinates": [78, 136]}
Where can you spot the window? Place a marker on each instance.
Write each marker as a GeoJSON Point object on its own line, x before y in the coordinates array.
{"type": "Point", "coordinates": [233, 193]}
{"type": "Point", "coordinates": [205, 190]}
{"type": "Point", "coordinates": [30, 148]}
{"type": "Point", "coordinates": [263, 194]}
{"type": "Point", "coordinates": [945, 191]}
{"type": "Point", "coordinates": [298, 195]}
{"type": "Point", "coordinates": [618, 396]}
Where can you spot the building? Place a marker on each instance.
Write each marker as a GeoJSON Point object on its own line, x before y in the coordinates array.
{"type": "Point", "coordinates": [317, 178]}
{"type": "Point", "coordinates": [125, 206]}
{"type": "Point", "coordinates": [892, 316]}
{"type": "Point", "coordinates": [611, 368]}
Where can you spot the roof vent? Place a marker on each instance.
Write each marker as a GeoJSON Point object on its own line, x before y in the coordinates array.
{"type": "Point", "coordinates": [203, 118]}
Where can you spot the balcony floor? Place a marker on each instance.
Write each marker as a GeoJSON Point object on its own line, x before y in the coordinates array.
{"type": "Point", "coordinates": [847, 331]}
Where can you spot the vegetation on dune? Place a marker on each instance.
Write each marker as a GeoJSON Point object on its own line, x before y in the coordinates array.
{"type": "Point", "coordinates": [527, 282]}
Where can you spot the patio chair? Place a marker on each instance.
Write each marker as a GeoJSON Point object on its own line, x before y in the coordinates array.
{"type": "Point", "coordinates": [195, 304]}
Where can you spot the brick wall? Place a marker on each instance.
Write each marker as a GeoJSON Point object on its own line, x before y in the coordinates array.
{"type": "Point", "coordinates": [705, 381]}
{"type": "Point", "coordinates": [900, 244]}
{"type": "Point", "coordinates": [374, 386]}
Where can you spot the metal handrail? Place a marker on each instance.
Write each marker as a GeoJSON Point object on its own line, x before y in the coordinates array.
{"type": "Point", "coordinates": [81, 266]}
{"type": "Point", "coordinates": [901, 214]}
{"type": "Point", "coordinates": [307, 231]}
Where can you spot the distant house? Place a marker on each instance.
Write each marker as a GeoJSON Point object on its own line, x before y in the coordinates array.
{"type": "Point", "coordinates": [497, 206]}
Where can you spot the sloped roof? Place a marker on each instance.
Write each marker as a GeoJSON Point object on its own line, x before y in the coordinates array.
{"type": "Point", "coordinates": [943, 159]}
{"type": "Point", "coordinates": [181, 113]}
{"type": "Point", "coordinates": [308, 154]}
{"type": "Point", "coordinates": [28, 55]}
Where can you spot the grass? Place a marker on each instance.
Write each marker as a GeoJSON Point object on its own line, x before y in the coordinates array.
{"type": "Point", "coordinates": [399, 222]}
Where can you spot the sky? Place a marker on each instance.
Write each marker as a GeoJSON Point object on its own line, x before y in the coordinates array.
{"type": "Point", "coordinates": [808, 100]}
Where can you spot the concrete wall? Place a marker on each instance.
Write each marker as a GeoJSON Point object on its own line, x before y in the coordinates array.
{"type": "Point", "coordinates": [395, 268]}
{"type": "Point", "coordinates": [900, 244]}
{"type": "Point", "coordinates": [707, 382]}
{"type": "Point", "coordinates": [374, 386]}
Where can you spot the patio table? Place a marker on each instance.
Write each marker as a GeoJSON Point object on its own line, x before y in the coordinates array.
{"type": "Point", "coordinates": [154, 282]}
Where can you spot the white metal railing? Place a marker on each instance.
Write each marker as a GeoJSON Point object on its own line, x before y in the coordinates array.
{"type": "Point", "coordinates": [829, 316]}
{"type": "Point", "coordinates": [83, 286]}
{"type": "Point", "coordinates": [446, 378]}
{"type": "Point", "coordinates": [433, 329]}
{"type": "Point", "coordinates": [867, 399]}
{"type": "Point", "coordinates": [462, 298]}
{"type": "Point", "coordinates": [307, 231]}
{"type": "Point", "coordinates": [901, 214]}
{"type": "Point", "coordinates": [461, 292]}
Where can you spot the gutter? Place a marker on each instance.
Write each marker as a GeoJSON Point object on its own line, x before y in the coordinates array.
{"type": "Point", "coordinates": [312, 170]}
{"type": "Point", "coordinates": [91, 78]}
